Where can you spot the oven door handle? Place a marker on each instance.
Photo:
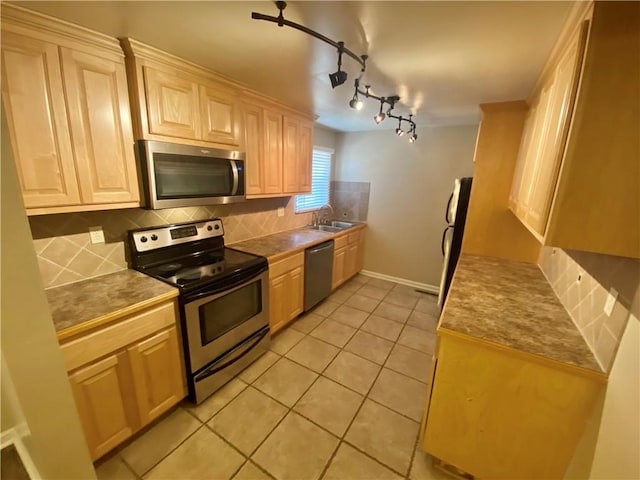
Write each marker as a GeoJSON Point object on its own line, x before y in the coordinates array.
{"type": "Point", "coordinates": [217, 367]}
{"type": "Point", "coordinates": [227, 286]}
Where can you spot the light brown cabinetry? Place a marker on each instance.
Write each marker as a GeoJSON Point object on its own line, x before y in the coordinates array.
{"type": "Point", "coordinates": [125, 375]}
{"type": "Point", "coordinates": [279, 146]}
{"type": "Point", "coordinates": [575, 184]}
{"type": "Point", "coordinates": [498, 413]}
{"type": "Point", "coordinates": [348, 253]}
{"type": "Point", "coordinates": [178, 101]}
{"type": "Point", "coordinates": [286, 290]}
{"type": "Point", "coordinates": [64, 93]}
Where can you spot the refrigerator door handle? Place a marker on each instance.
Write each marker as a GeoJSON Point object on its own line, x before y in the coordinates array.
{"type": "Point", "coordinates": [444, 236]}
{"type": "Point", "coordinates": [446, 212]}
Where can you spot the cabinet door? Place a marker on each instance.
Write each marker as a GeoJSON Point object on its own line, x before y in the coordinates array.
{"type": "Point", "coordinates": [33, 98]}
{"type": "Point", "coordinates": [254, 163]}
{"type": "Point", "coordinates": [277, 303]}
{"type": "Point", "coordinates": [360, 255]}
{"type": "Point", "coordinates": [173, 107]}
{"type": "Point", "coordinates": [565, 82]}
{"type": "Point", "coordinates": [107, 414]}
{"type": "Point", "coordinates": [290, 155]}
{"type": "Point", "coordinates": [157, 373]}
{"type": "Point", "coordinates": [220, 115]}
{"type": "Point", "coordinates": [305, 155]}
{"type": "Point", "coordinates": [339, 260]}
{"type": "Point", "coordinates": [98, 108]}
{"type": "Point", "coordinates": [351, 260]}
{"type": "Point", "coordinates": [295, 292]}
{"type": "Point", "coordinates": [272, 152]}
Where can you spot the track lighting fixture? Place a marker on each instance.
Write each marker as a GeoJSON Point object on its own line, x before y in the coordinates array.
{"type": "Point", "coordinates": [379, 118]}
{"type": "Point", "coordinates": [339, 77]}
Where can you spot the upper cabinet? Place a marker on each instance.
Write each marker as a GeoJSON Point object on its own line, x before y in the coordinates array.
{"type": "Point", "coordinates": [64, 94]}
{"type": "Point", "coordinates": [576, 180]}
{"type": "Point", "coordinates": [177, 101]}
{"type": "Point", "coordinates": [279, 146]}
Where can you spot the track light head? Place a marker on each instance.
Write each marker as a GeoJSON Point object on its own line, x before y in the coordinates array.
{"type": "Point", "coordinates": [356, 103]}
{"type": "Point", "coordinates": [399, 131]}
{"type": "Point", "coordinates": [381, 115]}
{"type": "Point", "coordinates": [413, 137]}
{"type": "Point", "coordinates": [338, 78]}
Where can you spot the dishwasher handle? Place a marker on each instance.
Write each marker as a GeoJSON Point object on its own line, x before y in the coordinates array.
{"type": "Point", "coordinates": [321, 247]}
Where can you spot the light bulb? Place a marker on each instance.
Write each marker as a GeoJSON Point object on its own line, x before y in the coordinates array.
{"type": "Point", "coordinates": [399, 131]}
{"type": "Point", "coordinates": [413, 138]}
{"type": "Point", "coordinates": [356, 103]}
{"type": "Point", "coordinates": [379, 117]}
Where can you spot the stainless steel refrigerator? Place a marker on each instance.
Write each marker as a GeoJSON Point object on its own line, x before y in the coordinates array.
{"type": "Point", "coordinates": [456, 216]}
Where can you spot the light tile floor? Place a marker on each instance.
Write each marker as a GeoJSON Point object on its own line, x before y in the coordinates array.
{"type": "Point", "coordinates": [339, 396]}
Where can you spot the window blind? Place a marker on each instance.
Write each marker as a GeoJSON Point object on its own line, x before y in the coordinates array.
{"type": "Point", "coordinates": [320, 182]}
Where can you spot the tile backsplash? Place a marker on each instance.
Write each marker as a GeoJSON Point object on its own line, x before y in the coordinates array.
{"type": "Point", "coordinates": [585, 298]}
{"type": "Point", "coordinates": [350, 200]}
{"type": "Point", "coordinates": [66, 254]}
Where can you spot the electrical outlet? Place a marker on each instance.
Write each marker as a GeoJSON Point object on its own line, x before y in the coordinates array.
{"type": "Point", "coordinates": [611, 301]}
{"type": "Point", "coordinates": [281, 211]}
{"type": "Point", "coordinates": [96, 234]}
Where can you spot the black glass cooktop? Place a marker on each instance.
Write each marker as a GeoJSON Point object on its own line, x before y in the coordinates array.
{"type": "Point", "coordinates": [203, 268]}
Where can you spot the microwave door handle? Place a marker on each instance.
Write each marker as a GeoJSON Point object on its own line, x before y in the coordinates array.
{"type": "Point", "coordinates": [236, 180]}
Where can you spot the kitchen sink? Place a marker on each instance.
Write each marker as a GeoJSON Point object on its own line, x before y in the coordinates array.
{"type": "Point", "coordinates": [338, 224]}
{"type": "Point", "coordinates": [327, 228]}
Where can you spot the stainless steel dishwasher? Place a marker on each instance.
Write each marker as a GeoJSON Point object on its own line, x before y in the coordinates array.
{"type": "Point", "coordinates": [318, 268]}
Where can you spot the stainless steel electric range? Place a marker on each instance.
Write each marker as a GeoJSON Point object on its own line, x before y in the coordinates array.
{"type": "Point", "coordinates": [224, 301]}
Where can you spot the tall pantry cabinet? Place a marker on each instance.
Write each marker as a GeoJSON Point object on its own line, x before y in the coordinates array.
{"type": "Point", "coordinates": [64, 94]}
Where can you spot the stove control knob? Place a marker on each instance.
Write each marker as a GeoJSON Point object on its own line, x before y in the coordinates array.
{"type": "Point", "coordinates": [154, 237]}
{"type": "Point", "coordinates": [217, 227]}
{"type": "Point", "coordinates": [143, 239]}
{"type": "Point", "coordinates": [209, 227]}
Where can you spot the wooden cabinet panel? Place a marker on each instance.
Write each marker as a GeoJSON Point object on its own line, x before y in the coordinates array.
{"type": "Point", "coordinates": [254, 166]}
{"type": "Point", "coordinates": [220, 115]}
{"type": "Point", "coordinates": [286, 291]}
{"type": "Point", "coordinates": [105, 411]}
{"type": "Point", "coordinates": [296, 162]}
{"type": "Point", "coordinates": [96, 91]}
{"type": "Point", "coordinates": [339, 265]}
{"type": "Point", "coordinates": [33, 98]}
{"type": "Point", "coordinates": [272, 153]}
{"type": "Point", "coordinates": [500, 414]}
{"type": "Point", "coordinates": [156, 367]}
{"type": "Point", "coordinates": [173, 107]}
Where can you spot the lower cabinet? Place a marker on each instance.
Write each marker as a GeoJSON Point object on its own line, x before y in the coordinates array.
{"type": "Point", "coordinates": [502, 414]}
{"type": "Point", "coordinates": [286, 290]}
{"type": "Point", "coordinates": [348, 255]}
{"type": "Point", "coordinates": [125, 375]}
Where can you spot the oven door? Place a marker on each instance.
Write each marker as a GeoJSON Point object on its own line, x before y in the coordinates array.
{"type": "Point", "coordinates": [217, 323]}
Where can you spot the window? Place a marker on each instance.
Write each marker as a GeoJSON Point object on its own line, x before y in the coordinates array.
{"type": "Point", "coordinates": [320, 182]}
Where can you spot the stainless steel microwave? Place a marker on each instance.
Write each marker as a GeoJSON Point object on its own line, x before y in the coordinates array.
{"type": "Point", "coordinates": [174, 175]}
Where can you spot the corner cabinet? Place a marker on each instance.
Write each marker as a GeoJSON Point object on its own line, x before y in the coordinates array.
{"type": "Point", "coordinates": [279, 147]}
{"type": "Point", "coordinates": [286, 290]}
{"type": "Point", "coordinates": [576, 180]}
{"type": "Point", "coordinates": [125, 375]}
{"type": "Point", "coordinates": [64, 93]}
{"type": "Point", "coordinates": [178, 101]}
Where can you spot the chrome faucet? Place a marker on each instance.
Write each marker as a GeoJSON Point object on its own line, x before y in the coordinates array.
{"type": "Point", "coordinates": [314, 219]}
{"type": "Point", "coordinates": [324, 217]}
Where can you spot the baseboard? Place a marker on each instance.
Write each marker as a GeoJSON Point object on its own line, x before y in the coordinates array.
{"type": "Point", "coordinates": [14, 436]}
{"type": "Point", "coordinates": [424, 287]}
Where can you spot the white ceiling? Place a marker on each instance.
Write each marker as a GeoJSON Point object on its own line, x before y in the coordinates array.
{"type": "Point", "coordinates": [442, 58]}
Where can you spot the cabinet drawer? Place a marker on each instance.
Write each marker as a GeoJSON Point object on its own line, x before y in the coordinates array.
{"type": "Point", "coordinates": [285, 265]}
{"type": "Point", "coordinates": [102, 342]}
{"type": "Point", "coordinates": [340, 242]}
{"type": "Point", "coordinates": [354, 237]}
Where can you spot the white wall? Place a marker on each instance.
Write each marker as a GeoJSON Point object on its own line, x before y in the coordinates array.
{"type": "Point", "coordinates": [618, 445]}
{"type": "Point", "coordinates": [30, 350]}
{"type": "Point", "coordinates": [410, 186]}
{"type": "Point", "coordinates": [324, 137]}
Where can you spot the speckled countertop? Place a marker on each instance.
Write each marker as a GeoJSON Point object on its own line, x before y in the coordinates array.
{"type": "Point", "coordinates": [512, 304]}
{"type": "Point", "coordinates": [279, 244]}
{"type": "Point", "coordinates": [81, 306]}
